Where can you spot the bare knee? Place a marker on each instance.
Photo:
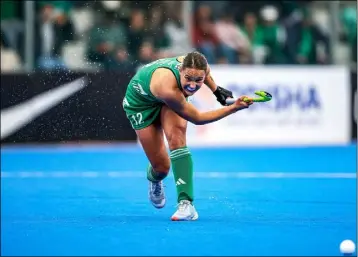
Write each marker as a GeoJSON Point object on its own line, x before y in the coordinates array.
{"type": "Point", "coordinates": [176, 137]}
{"type": "Point", "coordinates": [152, 141]}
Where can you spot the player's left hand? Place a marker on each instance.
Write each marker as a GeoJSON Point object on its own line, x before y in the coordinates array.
{"type": "Point", "coordinates": [222, 94]}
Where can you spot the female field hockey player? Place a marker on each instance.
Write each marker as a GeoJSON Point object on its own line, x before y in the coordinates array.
{"type": "Point", "coordinates": [156, 101]}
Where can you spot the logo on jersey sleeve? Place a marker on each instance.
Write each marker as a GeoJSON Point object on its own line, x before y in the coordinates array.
{"type": "Point", "coordinates": [139, 89]}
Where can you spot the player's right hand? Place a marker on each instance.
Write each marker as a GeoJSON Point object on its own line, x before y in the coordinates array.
{"type": "Point", "coordinates": [243, 102]}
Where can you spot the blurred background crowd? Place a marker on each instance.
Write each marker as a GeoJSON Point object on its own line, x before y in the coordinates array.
{"type": "Point", "coordinates": [86, 35]}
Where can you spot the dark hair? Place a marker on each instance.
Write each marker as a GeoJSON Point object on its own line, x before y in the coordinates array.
{"type": "Point", "coordinates": [195, 60]}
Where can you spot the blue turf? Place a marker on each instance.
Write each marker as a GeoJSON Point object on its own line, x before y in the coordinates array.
{"type": "Point", "coordinates": [112, 216]}
{"type": "Point", "coordinates": [131, 158]}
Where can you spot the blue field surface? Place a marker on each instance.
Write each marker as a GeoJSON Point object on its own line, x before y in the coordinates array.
{"type": "Point", "coordinates": [92, 200]}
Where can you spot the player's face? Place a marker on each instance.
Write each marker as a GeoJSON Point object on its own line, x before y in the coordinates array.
{"type": "Point", "coordinates": [191, 80]}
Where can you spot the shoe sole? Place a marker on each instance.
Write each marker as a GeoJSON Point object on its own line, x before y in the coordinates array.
{"type": "Point", "coordinates": [159, 206]}
{"type": "Point", "coordinates": [190, 218]}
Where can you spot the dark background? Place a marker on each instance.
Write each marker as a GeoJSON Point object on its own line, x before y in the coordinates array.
{"type": "Point", "coordinates": [94, 113]}
{"type": "Point", "coordinates": [354, 98]}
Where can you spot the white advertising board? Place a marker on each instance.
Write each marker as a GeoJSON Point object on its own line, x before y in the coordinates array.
{"type": "Point", "coordinates": [310, 106]}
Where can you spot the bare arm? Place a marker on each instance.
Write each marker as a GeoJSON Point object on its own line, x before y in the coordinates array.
{"type": "Point", "coordinates": [164, 87]}
{"type": "Point", "coordinates": [175, 100]}
{"type": "Point", "coordinates": [178, 103]}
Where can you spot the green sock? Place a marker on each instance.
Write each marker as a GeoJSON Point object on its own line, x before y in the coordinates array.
{"type": "Point", "coordinates": [154, 176]}
{"type": "Point", "coordinates": [182, 166]}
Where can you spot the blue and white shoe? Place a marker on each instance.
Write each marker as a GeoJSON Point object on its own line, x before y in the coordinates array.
{"type": "Point", "coordinates": [156, 194]}
{"type": "Point", "coordinates": [185, 212]}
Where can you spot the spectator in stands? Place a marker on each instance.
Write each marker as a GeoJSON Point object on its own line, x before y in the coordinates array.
{"type": "Point", "coordinates": [136, 33]}
{"type": "Point", "coordinates": [53, 30]}
{"type": "Point", "coordinates": [63, 5]}
{"type": "Point", "coordinates": [205, 39]}
{"type": "Point", "coordinates": [217, 7]}
{"type": "Point", "coordinates": [273, 36]}
{"type": "Point", "coordinates": [255, 35]}
{"type": "Point", "coordinates": [146, 53]}
{"type": "Point", "coordinates": [234, 42]}
{"type": "Point", "coordinates": [155, 30]}
{"type": "Point", "coordinates": [178, 35]}
{"type": "Point", "coordinates": [252, 30]}
{"type": "Point", "coordinates": [104, 37]}
{"type": "Point", "coordinates": [121, 60]}
{"type": "Point", "coordinates": [312, 46]}
{"type": "Point", "coordinates": [349, 22]}
{"type": "Point", "coordinates": [64, 30]}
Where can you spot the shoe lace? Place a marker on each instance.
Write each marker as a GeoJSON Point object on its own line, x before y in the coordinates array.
{"type": "Point", "coordinates": [157, 190]}
{"type": "Point", "coordinates": [183, 205]}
